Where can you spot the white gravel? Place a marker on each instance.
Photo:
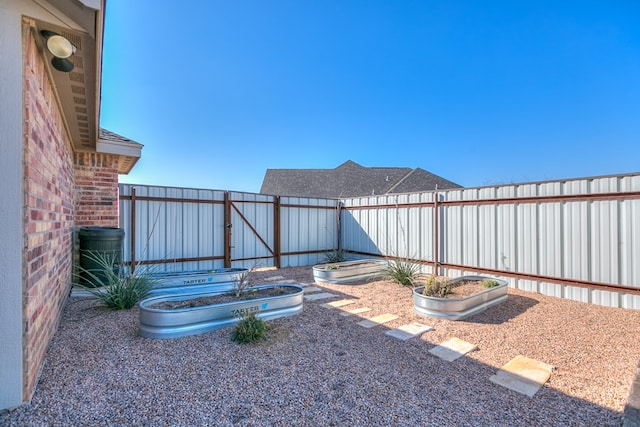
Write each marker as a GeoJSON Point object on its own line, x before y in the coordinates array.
{"type": "Point", "coordinates": [320, 369]}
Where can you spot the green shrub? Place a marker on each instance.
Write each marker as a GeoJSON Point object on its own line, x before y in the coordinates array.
{"type": "Point", "coordinates": [249, 329]}
{"type": "Point", "coordinates": [490, 283]}
{"type": "Point", "coordinates": [337, 255]}
{"type": "Point", "coordinates": [402, 272]}
{"type": "Point", "coordinates": [436, 288]}
{"type": "Point", "coordinates": [114, 288]}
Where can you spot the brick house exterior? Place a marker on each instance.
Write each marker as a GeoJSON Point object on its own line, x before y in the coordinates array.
{"type": "Point", "coordinates": [49, 212]}
{"type": "Point", "coordinates": [56, 175]}
{"type": "Point", "coordinates": [96, 189]}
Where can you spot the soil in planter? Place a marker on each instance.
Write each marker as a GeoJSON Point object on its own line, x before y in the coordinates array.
{"type": "Point", "coordinates": [465, 288]}
{"type": "Point", "coordinates": [224, 298]}
{"type": "Point", "coordinates": [340, 267]}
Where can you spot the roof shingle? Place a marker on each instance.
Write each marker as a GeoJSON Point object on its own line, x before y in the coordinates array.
{"type": "Point", "coordinates": [350, 180]}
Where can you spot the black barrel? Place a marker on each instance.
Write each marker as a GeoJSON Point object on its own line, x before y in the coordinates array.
{"type": "Point", "coordinates": [106, 242]}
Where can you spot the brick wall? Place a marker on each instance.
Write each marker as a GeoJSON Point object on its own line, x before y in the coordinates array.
{"type": "Point", "coordinates": [49, 213]}
{"type": "Point", "coordinates": [96, 189]}
{"type": "Point", "coordinates": [63, 190]}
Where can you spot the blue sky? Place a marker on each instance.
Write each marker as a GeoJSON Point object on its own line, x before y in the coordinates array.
{"type": "Point", "coordinates": [479, 92]}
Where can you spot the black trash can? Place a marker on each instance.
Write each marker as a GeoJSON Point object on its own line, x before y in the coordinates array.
{"type": "Point", "coordinates": [107, 242]}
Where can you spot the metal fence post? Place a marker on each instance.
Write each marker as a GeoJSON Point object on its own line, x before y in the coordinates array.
{"type": "Point", "coordinates": [227, 230]}
{"type": "Point", "coordinates": [276, 232]}
{"type": "Point", "coordinates": [132, 234]}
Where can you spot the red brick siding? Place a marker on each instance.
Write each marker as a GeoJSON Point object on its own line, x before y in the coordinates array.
{"type": "Point", "coordinates": [62, 191]}
{"type": "Point", "coordinates": [96, 189]}
{"type": "Point", "coordinates": [49, 212]}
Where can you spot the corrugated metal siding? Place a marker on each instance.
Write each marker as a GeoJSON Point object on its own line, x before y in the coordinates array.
{"type": "Point", "coordinates": [252, 231]}
{"type": "Point", "coordinates": [398, 230]}
{"type": "Point", "coordinates": [167, 230]}
{"type": "Point", "coordinates": [596, 240]}
{"type": "Point", "coordinates": [179, 225]}
{"type": "Point", "coordinates": [307, 225]}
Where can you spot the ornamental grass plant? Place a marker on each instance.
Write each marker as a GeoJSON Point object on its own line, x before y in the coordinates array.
{"type": "Point", "coordinates": [111, 285]}
{"type": "Point", "coordinates": [401, 271]}
{"type": "Point", "coordinates": [338, 255]}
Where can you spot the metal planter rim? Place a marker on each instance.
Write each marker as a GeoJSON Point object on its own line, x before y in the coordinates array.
{"type": "Point", "coordinates": [179, 322]}
{"type": "Point", "coordinates": [463, 307]}
{"type": "Point", "coordinates": [348, 271]}
{"type": "Point", "coordinates": [185, 278]}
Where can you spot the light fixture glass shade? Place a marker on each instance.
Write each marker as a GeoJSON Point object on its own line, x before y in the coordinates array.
{"type": "Point", "coordinates": [62, 64]}
{"type": "Point", "coordinates": [59, 46]}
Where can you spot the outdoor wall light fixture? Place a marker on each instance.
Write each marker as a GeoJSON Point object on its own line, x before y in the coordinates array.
{"type": "Point", "coordinates": [61, 49]}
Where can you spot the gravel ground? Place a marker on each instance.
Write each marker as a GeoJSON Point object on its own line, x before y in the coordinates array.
{"type": "Point", "coordinates": [320, 368]}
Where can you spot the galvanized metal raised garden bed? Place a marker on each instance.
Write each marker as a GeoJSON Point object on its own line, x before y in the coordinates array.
{"type": "Point", "coordinates": [459, 308]}
{"type": "Point", "coordinates": [180, 322]}
{"type": "Point", "coordinates": [198, 277]}
{"type": "Point", "coordinates": [348, 271]}
{"type": "Point", "coordinates": [191, 282]}
{"type": "Point", "coordinates": [185, 282]}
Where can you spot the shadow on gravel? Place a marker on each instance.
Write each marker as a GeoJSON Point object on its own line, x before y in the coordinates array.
{"type": "Point", "coordinates": [497, 314]}
{"type": "Point", "coordinates": [318, 369]}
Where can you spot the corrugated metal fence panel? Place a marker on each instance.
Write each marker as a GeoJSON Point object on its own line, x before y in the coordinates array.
{"type": "Point", "coordinates": [124, 211]}
{"type": "Point", "coordinates": [527, 245]}
{"type": "Point", "coordinates": [396, 230]}
{"type": "Point", "coordinates": [359, 231]}
{"type": "Point", "coordinates": [252, 231]}
{"type": "Point", "coordinates": [178, 225]}
{"type": "Point", "coordinates": [307, 225]}
{"type": "Point", "coordinates": [594, 240]}
{"type": "Point", "coordinates": [419, 227]}
{"type": "Point", "coordinates": [174, 229]}
{"type": "Point", "coordinates": [630, 248]}
{"type": "Point", "coordinates": [630, 264]}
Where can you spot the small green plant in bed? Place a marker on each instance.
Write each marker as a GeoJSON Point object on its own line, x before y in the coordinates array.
{"type": "Point", "coordinates": [253, 293]}
{"type": "Point", "coordinates": [402, 272]}
{"type": "Point", "coordinates": [490, 283]}
{"type": "Point", "coordinates": [112, 286]}
{"type": "Point", "coordinates": [436, 288]}
{"type": "Point", "coordinates": [249, 329]}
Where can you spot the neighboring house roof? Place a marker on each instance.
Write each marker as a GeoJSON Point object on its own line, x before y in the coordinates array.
{"type": "Point", "coordinates": [350, 180]}
{"type": "Point", "coordinates": [129, 151]}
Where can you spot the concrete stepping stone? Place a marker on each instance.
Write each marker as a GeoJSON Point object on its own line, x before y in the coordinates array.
{"type": "Point", "coordinates": [452, 349]}
{"type": "Point", "coordinates": [355, 311]}
{"type": "Point", "coordinates": [273, 278]}
{"type": "Point", "coordinates": [377, 320]}
{"type": "Point", "coordinates": [319, 295]}
{"type": "Point", "coordinates": [310, 289]}
{"type": "Point", "coordinates": [523, 375]}
{"type": "Point", "coordinates": [408, 331]}
{"type": "Point", "coordinates": [339, 303]}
